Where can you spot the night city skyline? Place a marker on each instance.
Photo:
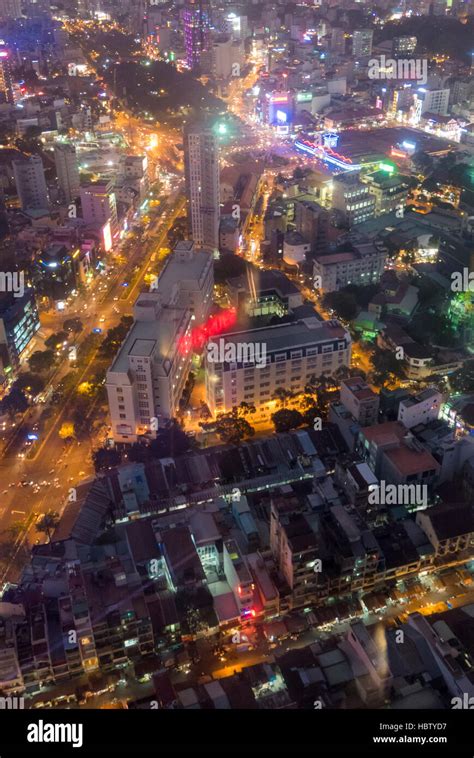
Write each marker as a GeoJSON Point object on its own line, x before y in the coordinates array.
{"type": "Point", "coordinates": [237, 363]}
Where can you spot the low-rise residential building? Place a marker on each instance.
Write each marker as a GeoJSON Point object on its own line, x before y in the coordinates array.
{"type": "Point", "coordinates": [364, 264]}
{"type": "Point", "coordinates": [360, 400]}
{"type": "Point", "coordinates": [395, 455]}
{"type": "Point", "coordinates": [420, 408]}
{"type": "Point", "coordinates": [449, 527]}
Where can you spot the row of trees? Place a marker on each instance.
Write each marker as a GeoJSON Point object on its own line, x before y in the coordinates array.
{"type": "Point", "coordinates": [313, 403]}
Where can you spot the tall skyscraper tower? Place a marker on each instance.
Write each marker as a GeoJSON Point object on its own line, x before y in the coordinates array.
{"type": "Point", "coordinates": [197, 24]}
{"type": "Point", "coordinates": [201, 162]}
{"type": "Point", "coordinates": [67, 171]}
{"type": "Point", "coordinates": [30, 183]}
{"type": "Point", "coordinates": [6, 88]}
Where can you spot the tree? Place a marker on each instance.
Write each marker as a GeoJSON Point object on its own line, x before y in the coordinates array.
{"type": "Point", "coordinates": [343, 303]}
{"type": "Point", "coordinates": [244, 409]}
{"type": "Point", "coordinates": [48, 523]}
{"type": "Point", "coordinates": [385, 366]}
{"type": "Point", "coordinates": [230, 428]}
{"type": "Point", "coordinates": [314, 412]}
{"type": "Point", "coordinates": [41, 361]}
{"type": "Point", "coordinates": [286, 419]}
{"type": "Point", "coordinates": [81, 415]}
{"type": "Point", "coordinates": [66, 431]}
{"type": "Point", "coordinates": [462, 380]}
{"type": "Point", "coordinates": [105, 458]}
{"type": "Point", "coordinates": [31, 383]}
{"type": "Point", "coordinates": [55, 341]}
{"type": "Point", "coordinates": [282, 395]}
{"type": "Point", "coordinates": [15, 402]}
{"type": "Point", "coordinates": [139, 452]}
{"type": "Point", "coordinates": [171, 441]}
{"type": "Point", "coordinates": [228, 266]}
{"type": "Point", "coordinates": [115, 337]}
{"type": "Point", "coordinates": [73, 325]}
{"type": "Point", "coordinates": [363, 293]}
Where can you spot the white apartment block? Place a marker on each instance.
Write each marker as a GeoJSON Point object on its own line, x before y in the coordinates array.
{"type": "Point", "coordinates": [364, 265]}
{"type": "Point", "coordinates": [135, 167]}
{"type": "Point", "coordinates": [226, 54]}
{"type": "Point", "coordinates": [187, 280]}
{"type": "Point", "coordinates": [99, 205]}
{"type": "Point", "coordinates": [293, 353]}
{"type": "Point", "coordinates": [147, 378]}
{"type": "Point", "coordinates": [431, 101]}
{"type": "Point", "coordinates": [360, 400]}
{"type": "Point", "coordinates": [421, 408]}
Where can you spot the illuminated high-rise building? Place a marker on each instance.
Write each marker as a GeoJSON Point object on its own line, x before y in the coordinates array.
{"type": "Point", "coordinates": [201, 161]}
{"type": "Point", "coordinates": [362, 43]}
{"type": "Point", "coordinates": [30, 183]}
{"type": "Point", "coordinates": [67, 170]}
{"type": "Point", "coordinates": [6, 86]}
{"type": "Point", "coordinates": [404, 46]}
{"type": "Point", "coordinates": [197, 24]}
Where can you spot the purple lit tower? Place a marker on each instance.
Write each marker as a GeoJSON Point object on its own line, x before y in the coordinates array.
{"type": "Point", "coordinates": [197, 24]}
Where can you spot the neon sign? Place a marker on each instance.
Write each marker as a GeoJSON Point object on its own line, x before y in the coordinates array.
{"type": "Point", "coordinates": [198, 336]}
{"type": "Point", "coordinates": [330, 139]}
{"type": "Point", "coordinates": [326, 153]}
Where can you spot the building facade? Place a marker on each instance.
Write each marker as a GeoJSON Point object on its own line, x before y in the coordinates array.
{"type": "Point", "coordinates": [288, 356]}
{"type": "Point", "coordinates": [146, 379]}
{"type": "Point", "coordinates": [31, 183]}
{"type": "Point", "coordinates": [67, 170]}
{"type": "Point", "coordinates": [201, 160]}
{"type": "Point", "coordinates": [365, 264]}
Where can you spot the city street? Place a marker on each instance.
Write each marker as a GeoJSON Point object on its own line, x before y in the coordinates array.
{"type": "Point", "coordinates": [62, 465]}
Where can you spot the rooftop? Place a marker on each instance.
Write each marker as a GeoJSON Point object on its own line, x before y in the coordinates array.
{"type": "Point", "coordinates": [410, 461]}
{"type": "Point", "coordinates": [297, 334]}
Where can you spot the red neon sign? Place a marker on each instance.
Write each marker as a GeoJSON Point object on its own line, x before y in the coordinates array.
{"type": "Point", "coordinates": [198, 336]}
{"type": "Point", "coordinates": [327, 149]}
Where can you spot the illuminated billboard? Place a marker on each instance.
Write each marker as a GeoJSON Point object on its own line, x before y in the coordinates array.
{"type": "Point", "coordinates": [280, 109]}
{"type": "Point", "coordinates": [304, 97]}
{"type": "Point", "coordinates": [107, 237]}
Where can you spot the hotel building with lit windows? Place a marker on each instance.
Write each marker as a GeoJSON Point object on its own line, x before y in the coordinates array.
{"type": "Point", "coordinates": [147, 378]}
{"type": "Point", "coordinates": [293, 353]}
